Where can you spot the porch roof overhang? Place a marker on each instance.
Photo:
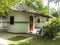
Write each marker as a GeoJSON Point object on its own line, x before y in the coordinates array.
{"type": "Point", "coordinates": [39, 14]}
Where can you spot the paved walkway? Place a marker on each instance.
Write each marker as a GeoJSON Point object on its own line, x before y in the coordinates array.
{"type": "Point", "coordinates": [8, 35]}
{"type": "Point", "coordinates": [4, 37]}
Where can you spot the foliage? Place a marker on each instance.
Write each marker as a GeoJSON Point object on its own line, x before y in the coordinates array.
{"type": "Point", "coordinates": [37, 5]}
{"type": "Point", "coordinates": [52, 27]}
{"type": "Point", "coordinates": [55, 1]}
{"type": "Point", "coordinates": [54, 12]}
{"type": "Point", "coordinates": [6, 4]}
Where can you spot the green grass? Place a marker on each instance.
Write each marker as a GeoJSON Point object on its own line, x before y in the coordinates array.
{"type": "Point", "coordinates": [58, 33]}
{"type": "Point", "coordinates": [17, 38]}
{"type": "Point", "coordinates": [32, 41]}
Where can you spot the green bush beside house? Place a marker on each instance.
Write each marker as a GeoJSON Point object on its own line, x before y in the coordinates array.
{"type": "Point", "coordinates": [51, 27]}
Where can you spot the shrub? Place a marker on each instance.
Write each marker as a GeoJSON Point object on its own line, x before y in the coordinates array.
{"type": "Point", "coordinates": [51, 27]}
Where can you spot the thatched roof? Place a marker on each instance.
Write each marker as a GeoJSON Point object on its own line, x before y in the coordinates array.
{"type": "Point", "coordinates": [38, 14]}
{"type": "Point", "coordinates": [26, 9]}
{"type": "Point", "coordinates": [22, 7]}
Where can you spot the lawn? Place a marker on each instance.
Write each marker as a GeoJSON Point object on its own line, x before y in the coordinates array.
{"type": "Point", "coordinates": [21, 40]}
{"type": "Point", "coordinates": [58, 33]}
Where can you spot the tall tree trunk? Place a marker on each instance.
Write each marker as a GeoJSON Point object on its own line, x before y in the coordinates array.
{"type": "Point", "coordinates": [58, 9]}
{"type": "Point", "coordinates": [48, 8]}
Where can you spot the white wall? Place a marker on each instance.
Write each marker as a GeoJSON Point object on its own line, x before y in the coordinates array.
{"type": "Point", "coordinates": [3, 22]}
{"type": "Point", "coordinates": [21, 24]}
{"type": "Point", "coordinates": [42, 21]}
{"type": "Point", "coordinates": [0, 22]}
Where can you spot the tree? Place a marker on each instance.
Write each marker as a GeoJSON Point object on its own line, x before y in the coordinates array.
{"type": "Point", "coordinates": [56, 2]}
{"type": "Point", "coordinates": [37, 5]}
{"type": "Point", "coordinates": [55, 13]}
{"type": "Point", "coordinates": [6, 4]}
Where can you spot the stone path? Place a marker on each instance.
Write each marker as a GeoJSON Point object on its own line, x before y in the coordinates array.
{"type": "Point", "coordinates": [5, 36]}
{"type": "Point", "coordinates": [9, 35]}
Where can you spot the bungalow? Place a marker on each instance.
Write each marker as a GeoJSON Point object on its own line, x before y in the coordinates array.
{"type": "Point", "coordinates": [22, 19]}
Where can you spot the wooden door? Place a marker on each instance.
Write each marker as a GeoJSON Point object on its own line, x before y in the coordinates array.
{"type": "Point", "coordinates": [31, 24]}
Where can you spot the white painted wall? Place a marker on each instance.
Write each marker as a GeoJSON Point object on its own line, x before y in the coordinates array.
{"type": "Point", "coordinates": [0, 22]}
{"type": "Point", "coordinates": [42, 21]}
{"type": "Point", "coordinates": [4, 20]}
{"type": "Point", "coordinates": [19, 27]}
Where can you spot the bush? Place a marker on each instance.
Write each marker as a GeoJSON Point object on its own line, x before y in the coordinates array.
{"type": "Point", "coordinates": [51, 27]}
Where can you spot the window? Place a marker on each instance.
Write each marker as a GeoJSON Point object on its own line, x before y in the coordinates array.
{"type": "Point", "coordinates": [38, 20]}
{"type": "Point", "coordinates": [12, 20]}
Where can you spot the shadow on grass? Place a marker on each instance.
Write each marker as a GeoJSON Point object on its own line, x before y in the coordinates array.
{"type": "Point", "coordinates": [17, 38]}
{"type": "Point", "coordinates": [41, 42]}
{"type": "Point", "coordinates": [21, 40]}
